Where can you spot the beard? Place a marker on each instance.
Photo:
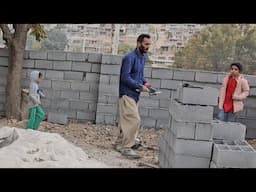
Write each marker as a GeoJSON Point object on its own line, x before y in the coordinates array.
{"type": "Point", "coordinates": [143, 49]}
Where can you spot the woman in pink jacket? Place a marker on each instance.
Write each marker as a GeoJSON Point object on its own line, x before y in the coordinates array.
{"type": "Point", "coordinates": [234, 90]}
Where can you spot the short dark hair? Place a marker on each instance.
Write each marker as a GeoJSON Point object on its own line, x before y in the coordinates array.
{"type": "Point", "coordinates": [40, 75]}
{"type": "Point", "coordinates": [142, 36]}
{"type": "Point", "coordinates": [238, 65]}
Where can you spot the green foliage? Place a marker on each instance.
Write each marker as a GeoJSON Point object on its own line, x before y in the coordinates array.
{"type": "Point", "coordinates": [124, 49]}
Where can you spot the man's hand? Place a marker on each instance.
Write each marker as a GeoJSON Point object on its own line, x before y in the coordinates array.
{"type": "Point", "coordinates": [144, 89]}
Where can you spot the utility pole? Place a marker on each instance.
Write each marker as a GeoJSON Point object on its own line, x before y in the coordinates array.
{"type": "Point", "coordinates": [115, 38]}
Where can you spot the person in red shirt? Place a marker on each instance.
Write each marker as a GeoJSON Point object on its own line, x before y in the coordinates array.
{"type": "Point", "coordinates": [234, 89]}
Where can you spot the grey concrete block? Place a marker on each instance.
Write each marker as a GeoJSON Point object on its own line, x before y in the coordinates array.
{"type": "Point", "coordinates": [4, 71]}
{"type": "Point", "coordinates": [71, 114]}
{"type": "Point", "coordinates": [46, 83]}
{"type": "Point", "coordinates": [94, 88]}
{"type": "Point", "coordinates": [2, 89]}
{"type": "Point", "coordinates": [80, 85]}
{"type": "Point", "coordinates": [147, 102]}
{"type": "Point", "coordinates": [26, 54]}
{"type": "Point", "coordinates": [190, 147]}
{"type": "Point", "coordinates": [234, 155]}
{"type": "Point", "coordinates": [92, 106]}
{"type": "Point", "coordinates": [77, 56]}
{"type": "Point", "coordinates": [110, 69]}
{"type": "Point", "coordinates": [144, 112]}
{"type": "Point", "coordinates": [155, 83]}
{"type": "Point", "coordinates": [95, 57]}
{"type": "Point", "coordinates": [112, 59]}
{"type": "Point", "coordinates": [87, 96]}
{"type": "Point", "coordinates": [107, 108]}
{"type": "Point", "coordinates": [170, 84]}
{"type": "Point", "coordinates": [38, 55]}
{"type": "Point", "coordinates": [109, 119]}
{"type": "Point", "coordinates": [162, 73]}
{"type": "Point", "coordinates": [183, 130]}
{"type": "Point", "coordinates": [191, 113]}
{"type": "Point", "coordinates": [228, 130]}
{"type": "Point", "coordinates": [187, 161]}
{"type": "Point", "coordinates": [162, 123]}
{"type": "Point", "coordinates": [184, 75]}
{"type": "Point", "coordinates": [86, 115]}
{"type": "Point", "coordinates": [70, 94]}
{"type": "Point", "coordinates": [250, 102]}
{"type": "Point", "coordinates": [220, 78]}
{"type": "Point", "coordinates": [148, 122]}
{"type": "Point", "coordinates": [4, 61]}
{"type": "Point", "coordinates": [114, 79]}
{"type": "Point", "coordinates": [109, 89]}
{"type": "Point", "coordinates": [204, 131]}
{"type": "Point", "coordinates": [206, 77]}
{"type": "Point", "coordinates": [4, 52]}
{"type": "Point", "coordinates": [71, 75]}
{"type": "Point", "coordinates": [54, 75]}
{"type": "Point", "coordinates": [105, 79]}
{"type": "Point", "coordinates": [147, 72]}
{"type": "Point", "coordinates": [29, 63]}
{"type": "Point", "coordinates": [2, 98]}
{"type": "Point", "coordinates": [251, 80]}
{"type": "Point", "coordinates": [252, 92]}
{"type": "Point", "coordinates": [46, 102]}
{"type": "Point", "coordinates": [199, 95]}
{"type": "Point", "coordinates": [164, 103]}
{"type": "Point", "coordinates": [56, 55]}
{"type": "Point", "coordinates": [79, 105]}
{"type": "Point", "coordinates": [60, 103]}
{"type": "Point", "coordinates": [251, 112]}
{"type": "Point", "coordinates": [159, 113]}
{"type": "Point", "coordinates": [92, 77]}
{"type": "Point", "coordinates": [59, 118]}
{"type": "Point", "coordinates": [112, 99]}
{"type": "Point", "coordinates": [81, 66]}
{"type": "Point", "coordinates": [42, 64]}
{"type": "Point", "coordinates": [2, 107]}
{"type": "Point", "coordinates": [62, 65]}
{"type": "Point", "coordinates": [25, 83]}
{"type": "Point", "coordinates": [100, 119]}
{"type": "Point", "coordinates": [102, 99]}
{"type": "Point", "coordinates": [96, 68]}
{"type": "Point", "coordinates": [60, 85]}
{"type": "Point", "coordinates": [51, 93]}
{"type": "Point", "coordinates": [250, 133]}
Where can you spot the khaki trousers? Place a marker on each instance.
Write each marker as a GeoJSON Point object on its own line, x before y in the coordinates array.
{"type": "Point", "coordinates": [129, 122]}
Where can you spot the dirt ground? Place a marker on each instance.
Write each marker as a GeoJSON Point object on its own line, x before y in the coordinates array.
{"type": "Point", "coordinates": [97, 142]}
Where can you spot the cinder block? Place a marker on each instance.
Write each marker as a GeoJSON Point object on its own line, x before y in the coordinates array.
{"type": "Point", "coordinates": [42, 64]}
{"type": "Point", "coordinates": [87, 96]}
{"type": "Point", "coordinates": [79, 105]}
{"type": "Point", "coordinates": [3, 80]}
{"type": "Point", "coordinates": [234, 155]}
{"type": "Point", "coordinates": [190, 147]}
{"type": "Point", "coordinates": [170, 84]}
{"type": "Point", "coordinates": [4, 61]}
{"type": "Point", "coordinates": [102, 99]}
{"type": "Point", "coordinates": [148, 122]}
{"type": "Point", "coordinates": [70, 94]}
{"type": "Point", "coordinates": [162, 73]}
{"type": "Point", "coordinates": [92, 77]}
{"type": "Point", "coordinates": [164, 103]}
{"type": "Point", "coordinates": [111, 59]}
{"type": "Point", "coordinates": [143, 111]}
{"type": "Point", "coordinates": [109, 119]}
{"type": "Point", "coordinates": [100, 119]}
{"type": "Point", "coordinates": [159, 113]}
{"type": "Point", "coordinates": [110, 69]}
{"type": "Point", "coordinates": [96, 68]}
{"type": "Point", "coordinates": [204, 131]}
{"type": "Point", "coordinates": [147, 102]}
{"type": "Point", "coordinates": [62, 65]}
{"type": "Point", "coordinates": [199, 95]}
{"type": "Point", "coordinates": [228, 130]}
{"type": "Point", "coordinates": [112, 99]}
{"type": "Point", "coordinates": [4, 52]}
{"type": "Point", "coordinates": [251, 112]}
{"type": "Point", "coordinates": [94, 88]}
{"type": "Point", "coordinates": [191, 113]}
{"type": "Point", "coordinates": [25, 83]}
{"type": "Point", "coordinates": [147, 72]}
{"type": "Point", "coordinates": [46, 102]}
{"type": "Point", "coordinates": [46, 84]}
{"type": "Point", "coordinates": [2, 108]}
{"type": "Point", "coordinates": [81, 66]}
{"type": "Point", "coordinates": [109, 89]}
{"type": "Point", "coordinates": [60, 104]}
{"type": "Point", "coordinates": [70, 75]}
{"type": "Point", "coordinates": [80, 85]}
{"type": "Point", "coordinates": [38, 55]}
{"type": "Point", "coordinates": [183, 130]}
{"type": "Point", "coordinates": [92, 106]}
{"type": "Point", "coordinates": [29, 63]}
{"type": "Point", "coordinates": [59, 118]}
{"type": "Point", "coordinates": [77, 56]}
{"type": "Point", "coordinates": [206, 77]}
{"type": "Point", "coordinates": [71, 114]}
{"type": "Point", "coordinates": [220, 78]}
{"type": "Point", "coordinates": [95, 57]}
{"type": "Point", "coordinates": [162, 123]}
{"type": "Point", "coordinates": [51, 93]}
{"type": "Point", "coordinates": [2, 98]}
{"type": "Point", "coordinates": [188, 161]}
{"type": "Point", "coordinates": [155, 83]}
{"type": "Point", "coordinates": [60, 85]}
{"type": "Point", "coordinates": [2, 89]}
{"type": "Point", "coordinates": [104, 79]}
{"type": "Point", "coordinates": [114, 79]}
{"type": "Point", "coordinates": [184, 75]}
{"type": "Point", "coordinates": [57, 55]}
{"type": "Point", "coordinates": [86, 116]}
{"type": "Point", "coordinates": [54, 75]}
{"type": "Point", "coordinates": [251, 80]}
{"type": "Point", "coordinates": [249, 102]}
{"type": "Point", "coordinates": [107, 108]}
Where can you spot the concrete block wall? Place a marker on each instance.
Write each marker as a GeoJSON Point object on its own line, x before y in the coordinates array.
{"type": "Point", "coordinates": [79, 83]}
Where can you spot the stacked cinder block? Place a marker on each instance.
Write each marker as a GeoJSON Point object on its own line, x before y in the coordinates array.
{"type": "Point", "coordinates": [230, 150]}
{"type": "Point", "coordinates": [187, 143]}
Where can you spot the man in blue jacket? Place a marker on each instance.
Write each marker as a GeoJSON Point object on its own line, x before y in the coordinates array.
{"type": "Point", "coordinates": [132, 83]}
